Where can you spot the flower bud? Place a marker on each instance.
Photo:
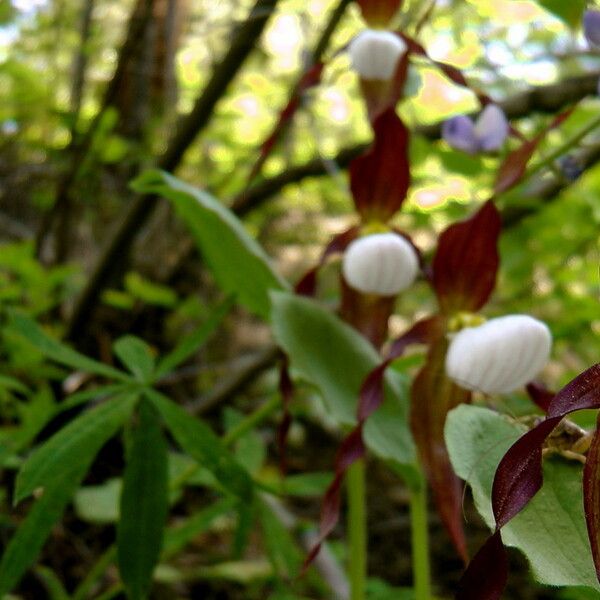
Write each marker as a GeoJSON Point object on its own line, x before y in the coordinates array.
{"type": "Point", "coordinates": [499, 356]}
{"type": "Point", "coordinates": [486, 134]}
{"type": "Point", "coordinates": [383, 264]}
{"type": "Point", "coordinates": [591, 27]}
{"type": "Point", "coordinates": [374, 54]}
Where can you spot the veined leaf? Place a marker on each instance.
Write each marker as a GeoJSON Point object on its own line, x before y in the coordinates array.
{"type": "Point", "coordinates": [336, 359]}
{"type": "Point", "coordinates": [60, 479]}
{"type": "Point", "coordinates": [239, 264]}
{"type": "Point", "coordinates": [80, 439]}
{"type": "Point", "coordinates": [204, 446]}
{"type": "Point", "coordinates": [144, 504]}
{"type": "Point", "coordinates": [551, 529]}
{"type": "Point", "coordinates": [196, 339]}
{"type": "Point", "coordinates": [59, 352]}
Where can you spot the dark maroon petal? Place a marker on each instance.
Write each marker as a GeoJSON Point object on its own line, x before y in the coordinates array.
{"type": "Point", "coordinates": [591, 496]}
{"type": "Point", "coordinates": [380, 178]}
{"type": "Point", "coordinates": [581, 393]}
{"type": "Point", "coordinates": [367, 313]}
{"type": "Point", "coordinates": [311, 78]}
{"type": "Point", "coordinates": [307, 286]}
{"type": "Point", "coordinates": [514, 166]}
{"type": "Point", "coordinates": [351, 449]}
{"type": "Point", "coordinates": [540, 394]}
{"type": "Point", "coordinates": [454, 74]}
{"type": "Point", "coordinates": [466, 261]}
{"type": "Point", "coordinates": [433, 395]}
{"type": "Point", "coordinates": [487, 573]}
{"type": "Point", "coordinates": [379, 13]}
{"type": "Point", "coordinates": [426, 331]}
{"type": "Point", "coordinates": [381, 97]}
{"type": "Point", "coordinates": [286, 390]}
{"type": "Point", "coordinates": [519, 474]}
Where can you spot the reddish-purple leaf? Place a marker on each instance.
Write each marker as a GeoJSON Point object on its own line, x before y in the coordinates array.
{"type": "Point", "coordinates": [514, 166]}
{"type": "Point", "coordinates": [466, 261]}
{"type": "Point", "coordinates": [433, 395]}
{"type": "Point", "coordinates": [307, 286]}
{"type": "Point", "coordinates": [378, 13]}
{"type": "Point", "coordinates": [380, 178]}
{"type": "Point", "coordinates": [540, 394]}
{"type": "Point", "coordinates": [487, 573]}
{"type": "Point", "coordinates": [591, 496]}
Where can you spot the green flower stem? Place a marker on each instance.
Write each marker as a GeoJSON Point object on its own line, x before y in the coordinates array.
{"type": "Point", "coordinates": [357, 529]}
{"type": "Point", "coordinates": [420, 541]}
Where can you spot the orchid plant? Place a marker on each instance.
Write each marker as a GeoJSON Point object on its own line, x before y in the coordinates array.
{"type": "Point", "coordinates": [348, 354]}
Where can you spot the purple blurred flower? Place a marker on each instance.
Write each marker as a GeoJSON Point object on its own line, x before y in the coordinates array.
{"type": "Point", "coordinates": [591, 27]}
{"type": "Point", "coordinates": [486, 134]}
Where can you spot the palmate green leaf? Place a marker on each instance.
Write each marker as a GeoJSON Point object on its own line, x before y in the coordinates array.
{"type": "Point", "coordinates": [136, 355]}
{"type": "Point", "coordinates": [551, 530]}
{"type": "Point", "coordinates": [196, 339]}
{"type": "Point", "coordinates": [80, 439]}
{"type": "Point", "coordinates": [336, 359]}
{"type": "Point", "coordinates": [239, 264]}
{"type": "Point", "coordinates": [60, 477]}
{"type": "Point", "coordinates": [144, 504]}
{"type": "Point", "coordinates": [59, 352]}
{"type": "Point", "coordinates": [204, 446]}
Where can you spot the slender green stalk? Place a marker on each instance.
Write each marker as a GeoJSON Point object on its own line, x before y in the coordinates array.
{"type": "Point", "coordinates": [263, 412]}
{"type": "Point", "coordinates": [547, 161]}
{"type": "Point", "coordinates": [420, 541]}
{"type": "Point", "coordinates": [102, 564]}
{"type": "Point", "coordinates": [357, 530]}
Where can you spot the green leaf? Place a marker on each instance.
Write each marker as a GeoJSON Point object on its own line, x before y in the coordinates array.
{"type": "Point", "coordinates": [551, 530]}
{"type": "Point", "coordinates": [77, 441]}
{"type": "Point", "coordinates": [194, 340]}
{"type": "Point", "coordinates": [144, 504]}
{"type": "Point", "coordinates": [239, 264]}
{"type": "Point", "coordinates": [136, 355]}
{"type": "Point", "coordinates": [336, 359]}
{"type": "Point", "coordinates": [59, 352]}
{"type": "Point", "coordinates": [59, 486]}
{"type": "Point", "coordinates": [204, 446]}
{"type": "Point", "coordinates": [570, 12]}
{"type": "Point", "coordinates": [150, 292]}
